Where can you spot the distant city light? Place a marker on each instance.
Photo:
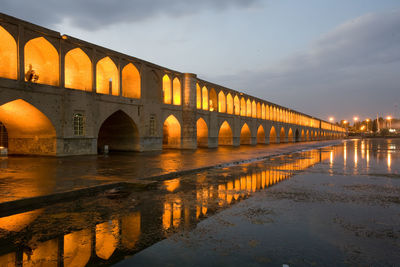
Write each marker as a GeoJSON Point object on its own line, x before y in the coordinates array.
{"type": "Point", "coordinates": [388, 117]}
{"type": "Point", "coordinates": [331, 119]}
{"type": "Point", "coordinates": [355, 118]}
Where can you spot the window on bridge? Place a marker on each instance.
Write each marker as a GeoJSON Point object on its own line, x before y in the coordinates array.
{"type": "Point", "coordinates": [290, 135]}
{"type": "Point", "coordinates": [171, 133]}
{"type": "Point", "coordinates": [213, 100]}
{"type": "Point", "coordinates": [253, 109]}
{"type": "Point", "coordinates": [262, 112]}
{"type": "Point", "coordinates": [167, 91]}
{"type": "Point", "coordinates": [272, 135]}
{"type": "Point", "coordinates": [77, 248]}
{"type": "Point", "coordinates": [260, 135]}
{"type": "Point", "coordinates": [107, 238]}
{"type": "Point", "coordinates": [236, 104]}
{"type": "Point", "coordinates": [78, 70]}
{"type": "Point", "coordinates": [29, 131]}
{"type": "Point", "coordinates": [8, 55]}
{"type": "Point", "coordinates": [119, 132]}
{"type": "Point", "coordinates": [243, 107]}
{"type": "Point", "coordinates": [245, 135]}
{"type": "Point", "coordinates": [3, 136]}
{"type": "Point", "coordinates": [107, 77]}
{"type": "Point", "coordinates": [202, 133]}
{"type": "Point", "coordinates": [41, 62]}
{"type": "Point", "coordinates": [205, 97]}
{"type": "Point", "coordinates": [79, 124]}
{"type": "Point", "coordinates": [177, 89]}
{"type": "Point", "coordinates": [259, 114]}
{"type": "Point", "coordinates": [267, 113]}
{"type": "Point", "coordinates": [282, 135]}
{"type": "Point", "coordinates": [248, 108]}
{"type": "Point", "coordinates": [198, 96]}
{"type": "Point", "coordinates": [225, 136]}
{"type": "Point", "coordinates": [221, 102]}
{"type": "Point", "coordinates": [229, 104]}
{"type": "Point", "coordinates": [131, 84]}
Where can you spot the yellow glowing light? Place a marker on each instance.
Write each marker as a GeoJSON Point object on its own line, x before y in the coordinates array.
{"type": "Point", "coordinates": [225, 136]}
{"type": "Point", "coordinates": [77, 248]}
{"type": "Point", "coordinates": [167, 89]}
{"type": "Point", "coordinates": [8, 55]}
{"type": "Point", "coordinates": [107, 78]}
{"type": "Point", "coordinates": [176, 84]}
{"type": "Point", "coordinates": [44, 254]}
{"type": "Point", "coordinates": [78, 70]}
{"type": "Point", "coordinates": [171, 132]}
{"type": "Point", "coordinates": [331, 119]}
{"type": "Point", "coordinates": [202, 133]}
{"type": "Point", "coordinates": [130, 81]}
{"type": "Point", "coordinates": [245, 135]}
{"type": "Point", "coordinates": [106, 239]}
{"type": "Point", "coordinates": [355, 118]}
{"type": "Point", "coordinates": [172, 185]}
{"type": "Point", "coordinates": [260, 135]}
{"type": "Point", "coordinates": [389, 118]}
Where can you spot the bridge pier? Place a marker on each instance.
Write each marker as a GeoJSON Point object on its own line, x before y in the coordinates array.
{"type": "Point", "coordinates": [189, 132]}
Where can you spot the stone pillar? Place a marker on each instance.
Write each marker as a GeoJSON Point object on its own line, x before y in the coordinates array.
{"type": "Point", "coordinates": [21, 54]}
{"type": "Point", "coordinates": [189, 127]}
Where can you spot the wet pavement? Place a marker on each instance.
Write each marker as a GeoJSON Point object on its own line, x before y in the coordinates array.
{"type": "Point", "coordinates": [335, 206]}
{"type": "Point", "coordinates": [24, 177]}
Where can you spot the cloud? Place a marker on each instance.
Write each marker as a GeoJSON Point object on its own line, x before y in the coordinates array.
{"type": "Point", "coordinates": [95, 14]}
{"type": "Point", "coordinates": [355, 68]}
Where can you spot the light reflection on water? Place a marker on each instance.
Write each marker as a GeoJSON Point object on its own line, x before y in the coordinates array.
{"type": "Point", "coordinates": [107, 231]}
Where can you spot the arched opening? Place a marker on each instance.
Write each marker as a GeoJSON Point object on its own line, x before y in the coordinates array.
{"type": "Point", "coordinates": [213, 100]}
{"type": "Point", "coordinates": [267, 112]}
{"type": "Point", "coordinates": [202, 133]}
{"type": "Point", "coordinates": [272, 135]}
{"type": "Point", "coordinates": [263, 111]}
{"type": "Point", "coordinates": [119, 132]}
{"type": "Point", "coordinates": [229, 104]}
{"type": "Point", "coordinates": [78, 70]}
{"type": "Point", "coordinates": [290, 136]}
{"type": "Point", "coordinates": [27, 130]}
{"type": "Point", "coordinates": [41, 62]}
{"type": "Point", "coordinates": [221, 102]}
{"type": "Point", "coordinates": [8, 55]}
{"type": "Point", "coordinates": [254, 109]}
{"type": "Point", "coordinates": [245, 135]}
{"type": "Point", "coordinates": [308, 135]}
{"type": "Point", "coordinates": [248, 108]}
{"type": "Point", "coordinates": [225, 136]}
{"type": "Point", "coordinates": [3, 136]}
{"type": "Point", "coordinates": [131, 81]}
{"type": "Point", "coordinates": [77, 248]}
{"type": "Point", "coordinates": [282, 136]}
{"type": "Point", "coordinates": [205, 98]}
{"type": "Point", "coordinates": [176, 88]}
{"type": "Point", "coordinates": [107, 78]}
{"type": "Point", "coordinates": [236, 104]}
{"type": "Point", "coordinates": [303, 136]}
{"type": "Point", "coordinates": [259, 114]}
{"type": "Point", "coordinates": [171, 133]}
{"type": "Point", "coordinates": [243, 107]}
{"type": "Point", "coordinates": [297, 136]}
{"type": "Point", "coordinates": [167, 90]}
{"type": "Point", "coordinates": [198, 96]}
{"type": "Point", "coordinates": [107, 238]}
{"type": "Point", "coordinates": [260, 135]}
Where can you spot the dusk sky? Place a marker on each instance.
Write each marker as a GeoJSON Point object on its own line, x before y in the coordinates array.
{"type": "Point", "coordinates": [325, 58]}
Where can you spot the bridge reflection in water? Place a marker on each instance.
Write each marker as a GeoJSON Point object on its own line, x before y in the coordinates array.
{"type": "Point", "coordinates": [104, 230]}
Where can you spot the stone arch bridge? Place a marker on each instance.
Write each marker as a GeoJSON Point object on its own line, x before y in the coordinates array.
{"type": "Point", "coordinates": [64, 96]}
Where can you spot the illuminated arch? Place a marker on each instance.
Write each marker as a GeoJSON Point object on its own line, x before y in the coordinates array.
{"type": "Point", "coordinates": [29, 130]}
{"type": "Point", "coordinates": [119, 132]}
{"type": "Point", "coordinates": [229, 104]}
{"type": "Point", "coordinates": [303, 136]}
{"type": "Point", "coordinates": [131, 81]}
{"type": "Point", "coordinates": [308, 135]}
{"type": "Point", "coordinates": [177, 89]}
{"type": "Point", "coordinates": [171, 133]}
{"type": "Point", "coordinates": [78, 70]}
{"type": "Point", "coordinates": [205, 98]}
{"type": "Point", "coordinates": [8, 55]}
{"type": "Point", "coordinates": [236, 104]}
{"type": "Point", "coordinates": [272, 135]}
{"type": "Point", "coordinates": [262, 112]}
{"type": "Point", "coordinates": [42, 58]}
{"type": "Point", "coordinates": [245, 135]}
{"type": "Point", "coordinates": [130, 230]}
{"type": "Point", "coordinates": [282, 135]}
{"type": "Point", "coordinates": [107, 77]}
{"type": "Point", "coordinates": [225, 136]}
{"type": "Point", "coordinates": [221, 102]}
{"type": "Point", "coordinates": [248, 108]}
{"type": "Point", "coordinates": [213, 100]}
{"type": "Point", "coordinates": [254, 109]}
{"type": "Point", "coordinates": [260, 135]}
{"type": "Point", "coordinates": [290, 136]}
{"type": "Point", "coordinates": [202, 133]}
{"type": "Point", "coordinates": [198, 96]}
{"type": "Point", "coordinates": [167, 90]}
{"type": "Point", "coordinates": [274, 117]}
{"type": "Point", "coordinates": [267, 113]}
{"type": "Point", "coordinates": [77, 248]}
{"type": "Point", "coordinates": [243, 107]}
{"type": "Point", "coordinates": [107, 238]}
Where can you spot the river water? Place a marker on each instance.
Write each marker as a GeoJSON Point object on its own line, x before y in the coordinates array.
{"type": "Point", "coordinates": [334, 206]}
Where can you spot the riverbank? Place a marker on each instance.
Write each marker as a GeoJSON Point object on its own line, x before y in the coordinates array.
{"type": "Point", "coordinates": [26, 180]}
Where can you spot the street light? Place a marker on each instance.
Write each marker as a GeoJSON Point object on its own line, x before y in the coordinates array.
{"type": "Point", "coordinates": [389, 118]}
{"type": "Point", "coordinates": [367, 120]}
{"type": "Point", "coordinates": [331, 119]}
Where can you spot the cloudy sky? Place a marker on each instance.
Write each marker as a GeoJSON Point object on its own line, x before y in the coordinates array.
{"type": "Point", "coordinates": [326, 58]}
